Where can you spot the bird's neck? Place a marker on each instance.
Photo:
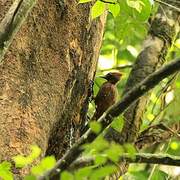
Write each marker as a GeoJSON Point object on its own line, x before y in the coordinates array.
{"type": "Point", "coordinates": [113, 82]}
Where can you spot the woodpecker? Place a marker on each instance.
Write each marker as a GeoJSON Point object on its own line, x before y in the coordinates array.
{"type": "Point", "coordinates": [107, 94]}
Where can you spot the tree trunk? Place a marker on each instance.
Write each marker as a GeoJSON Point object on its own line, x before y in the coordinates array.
{"type": "Point", "coordinates": [45, 77]}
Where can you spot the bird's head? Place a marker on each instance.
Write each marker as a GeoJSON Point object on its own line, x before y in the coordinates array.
{"type": "Point", "coordinates": [113, 77]}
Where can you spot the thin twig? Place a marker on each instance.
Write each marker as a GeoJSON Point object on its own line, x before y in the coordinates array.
{"type": "Point", "coordinates": [108, 2]}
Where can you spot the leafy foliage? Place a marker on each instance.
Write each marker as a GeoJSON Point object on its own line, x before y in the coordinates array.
{"type": "Point", "coordinates": [5, 170]}
{"type": "Point", "coordinates": [22, 161]}
{"type": "Point", "coordinates": [127, 26]}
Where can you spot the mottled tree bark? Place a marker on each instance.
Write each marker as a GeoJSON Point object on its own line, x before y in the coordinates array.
{"type": "Point", "coordinates": [45, 77]}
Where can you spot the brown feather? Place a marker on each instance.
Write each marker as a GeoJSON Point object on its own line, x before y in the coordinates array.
{"type": "Point", "coordinates": [105, 98]}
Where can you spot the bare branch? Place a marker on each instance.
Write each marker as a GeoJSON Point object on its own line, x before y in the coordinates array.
{"type": "Point", "coordinates": [163, 159]}
{"type": "Point", "coordinates": [156, 134]}
{"type": "Point", "coordinates": [117, 68]}
{"type": "Point", "coordinates": [11, 23]}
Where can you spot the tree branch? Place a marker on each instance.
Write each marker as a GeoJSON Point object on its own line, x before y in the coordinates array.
{"type": "Point", "coordinates": [156, 134]}
{"type": "Point", "coordinates": [130, 97]}
{"type": "Point", "coordinates": [12, 22]}
{"type": "Point", "coordinates": [169, 5]}
{"type": "Point", "coordinates": [117, 68]}
{"type": "Point", "coordinates": [108, 2]}
{"type": "Point", "coordinates": [163, 159]}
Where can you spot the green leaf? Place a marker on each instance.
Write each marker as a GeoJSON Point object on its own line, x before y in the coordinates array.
{"type": "Point", "coordinates": [84, 1]}
{"type": "Point", "coordinates": [177, 43]}
{"type": "Point", "coordinates": [30, 177]}
{"type": "Point", "coordinates": [82, 173]}
{"type": "Point", "coordinates": [45, 164]}
{"type": "Point", "coordinates": [36, 151]}
{"type": "Point", "coordinates": [130, 149]}
{"type": "Point", "coordinates": [21, 161]}
{"type": "Point", "coordinates": [136, 4]}
{"type": "Point", "coordinates": [6, 175]}
{"type": "Point", "coordinates": [5, 165]}
{"type": "Point", "coordinates": [66, 176]}
{"type": "Point", "coordinates": [95, 126]}
{"type": "Point", "coordinates": [97, 9]}
{"type": "Point", "coordinates": [114, 152]}
{"type": "Point", "coordinates": [138, 175]}
{"type": "Point", "coordinates": [145, 11]}
{"type": "Point", "coordinates": [178, 84]}
{"type": "Point", "coordinates": [118, 123]}
{"type": "Point", "coordinates": [102, 172]}
{"type": "Point", "coordinates": [48, 162]}
{"type": "Point", "coordinates": [114, 9]}
{"type": "Point", "coordinates": [37, 170]}
{"type": "Point", "coordinates": [100, 159]}
{"type": "Point", "coordinates": [174, 145]}
{"type": "Point", "coordinates": [100, 144]}
{"type": "Point", "coordinates": [5, 172]}
{"type": "Point", "coordinates": [158, 174]}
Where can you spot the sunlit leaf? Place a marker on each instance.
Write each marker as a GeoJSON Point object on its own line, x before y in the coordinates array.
{"type": "Point", "coordinates": [37, 170]}
{"type": "Point", "coordinates": [138, 175]}
{"type": "Point", "coordinates": [145, 11]}
{"type": "Point", "coordinates": [30, 177]}
{"type": "Point", "coordinates": [178, 84]}
{"type": "Point", "coordinates": [45, 164]}
{"type": "Point", "coordinates": [95, 126]}
{"type": "Point", "coordinates": [177, 43]}
{"type": "Point", "coordinates": [118, 123]}
{"type": "Point", "coordinates": [114, 152]}
{"type": "Point", "coordinates": [97, 9]}
{"type": "Point", "coordinates": [66, 176]}
{"type": "Point", "coordinates": [36, 151]}
{"type": "Point", "coordinates": [100, 159]}
{"type": "Point", "coordinates": [174, 145]}
{"type": "Point", "coordinates": [130, 149]}
{"type": "Point", "coordinates": [5, 171]}
{"type": "Point", "coordinates": [84, 1]}
{"type": "Point", "coordinates": [22, 161]}
{"type": "Point", "coordinates": [158, 174]}
{"type": "Point", "coordinates": [97, 146]}
{"type": "Point", "coordinates": [114, 9]}
{"type": "Point", "coordinates": [82, 173]}
{"type": "Point", "coordinates": [103, 171]}
{"type": "Point", "coordinates": [48, 162]}
{"type": "Point", "coordinates": [136, 4]}
{"type": "Point", "coordinates": [150, 116]}
{"type": "Point", "coordinates": [5, 165]}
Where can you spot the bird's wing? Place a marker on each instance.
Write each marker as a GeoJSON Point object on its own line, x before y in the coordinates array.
{"type": "Point", "coordinates": [105, 92]}
{"type": "Point", "coordinates": [104, 99]}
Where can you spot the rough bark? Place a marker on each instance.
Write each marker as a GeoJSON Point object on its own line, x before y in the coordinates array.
{"type": "Point", "coordinates": [45, 77]}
